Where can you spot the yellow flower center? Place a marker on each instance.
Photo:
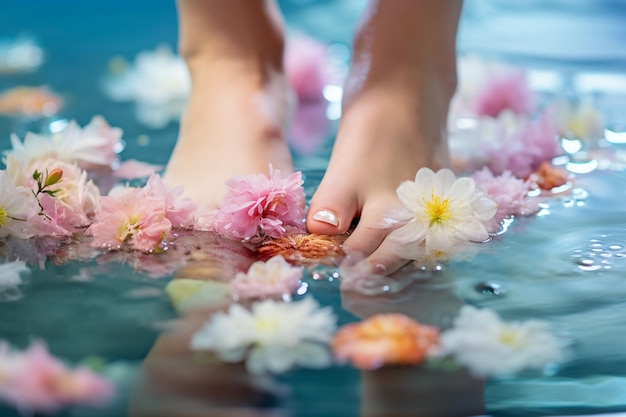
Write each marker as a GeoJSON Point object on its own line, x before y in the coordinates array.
{"type": "Point", "coordinates": [4, 216]}
{"type": "Point", "coordinates": [128, 228]}
{"type": "Point", "coordinates": [437, 210]}
{"type": "Point", "coordinates": [510, 337]}
{"type": "Point", "coordinates": [266, 325]}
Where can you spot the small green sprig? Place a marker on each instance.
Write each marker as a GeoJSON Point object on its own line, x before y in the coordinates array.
{"type": "Point", "coordinates": [44, 182]}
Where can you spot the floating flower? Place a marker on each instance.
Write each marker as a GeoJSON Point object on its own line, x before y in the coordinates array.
{"type": "Point", "coordinates": [94, 146]}
{"type": "Point", "coordinates": [509, 193]}
{"type": "Point", "coordinates": [445, 213]}
{"type": "Point", "coordinates": [509, 91]}
{"type": "Point", "coordinates": [10, 274]}
{"type": "Point", "coordinates": [181, 210]}
{"type": "Point", "coordinates": [36, 381]}
{"type": "Point", "coordinates": [259, 206]}
{"type": "Point", "coordinates": [303, 248]}
{"type": "Point", "coordinates": [141, 217]}
{"type": "Point", "coordinates": [29, 101]}
{"type": "Point", "coordinates": [20, 55]}
{"type": "Point", "coordinates": [130, 217]}
{"type": "Point", "coordinates": [19, 209]}
{"type": "Point", "coordinates": [520, 145]}
{"type": "Point", "coordinates": [67, 199]}
{"type": "Point", "coordinates": [488, 346]}
{"type": "Point", "coordinates": [158, 82]}
{"type": "Point", "coordinates": [548, 177]}
{"type": "Point", "coordinates": [385, 339]}
{"type": "Point", "coordinates": [274, 278]}
{"type": "Point", "coordinates": [273, 337]}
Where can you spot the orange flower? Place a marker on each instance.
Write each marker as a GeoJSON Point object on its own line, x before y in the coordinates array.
{"type": "Point", "coordinates": [548, 177]}
{"type": "Point", "coordinates": [31, 101]}
{"type": "Point", "coordinates": [303, 248]}
{"type": "Point", "coordinates": [385, 339]}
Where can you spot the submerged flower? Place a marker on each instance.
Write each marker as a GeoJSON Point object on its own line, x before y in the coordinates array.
{"type": "Point", "coordinates": [301, 248]}
{"type": "Point", "coordinates": [273, 336]}
{"type": "Point", "coordinates": [36, 381]}
{"type": "Point", "coordinates": [385, 339]}
{"type": "Point", "coordinates": [259, 206]}
{"type": "Point", "coordinates": [446, 213]}
{"type": "Point", "coordinates": [488, 346]}
{"type": "Point", "coordinates": [274, 278]}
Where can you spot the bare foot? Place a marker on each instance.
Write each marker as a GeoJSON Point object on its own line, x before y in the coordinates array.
{"type": "Point", "coordinates": [230, 127]}
{"type": "Point", "coordinates": [240, 100]}
{"type": "Point", "coordinates": [395, 108]}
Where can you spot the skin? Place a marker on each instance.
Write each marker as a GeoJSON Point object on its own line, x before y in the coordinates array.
{"type": "Point", "coordinates": [395, 107]}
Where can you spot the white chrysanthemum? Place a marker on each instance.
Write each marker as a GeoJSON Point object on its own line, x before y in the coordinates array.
{"type": "Point", "coordinates": [275, 336]}
{"type": "Point", "coordinates": [446, 214]}
{"type": "Point", "coordinates": [18, 206]}
{"type": "Point", "coordinates": [488, 346]}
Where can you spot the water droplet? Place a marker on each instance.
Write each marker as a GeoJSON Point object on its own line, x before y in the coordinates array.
{"type": "Point", "coordinates": [590, 267]}
{"type": "Point", "coordinates": [489, 288]}
{"type": "Point", "coordinates": [616, 247]}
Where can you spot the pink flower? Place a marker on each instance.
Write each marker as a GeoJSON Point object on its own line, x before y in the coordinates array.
{"type": "Point", "coordinates": [181, 211]}
{"type": "Point", "coordinates": [522, 147]}
{"type": "Point", "coordinates": [274, 278]}
{"type": "Point", "coordinates": [133, 169]}
{"type": "Point", "coordinates": [259, 206]}
{"type": "Point", "coordinates": [35, 381]}
{"type": "Point", "coordinates": [130, 217]}
{"type": "Point", "coordinates": [74, 200]}
{"type": "Point", "coordinates": [305, 63]}
{"type": "Point", "coordinates": [509, 193]}
{"type": "Point", "coordinates": [508, 91]}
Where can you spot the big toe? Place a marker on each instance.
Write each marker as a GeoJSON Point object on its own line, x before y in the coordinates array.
{"type": "Point", "coordinates": [332, 209]}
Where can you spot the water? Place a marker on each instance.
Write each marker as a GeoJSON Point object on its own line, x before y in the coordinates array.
{"type": "Point", "coordinates": [566, 266]}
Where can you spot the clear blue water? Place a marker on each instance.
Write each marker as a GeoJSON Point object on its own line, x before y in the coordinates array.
{"type": "Point", "coordinates": [111, 310]}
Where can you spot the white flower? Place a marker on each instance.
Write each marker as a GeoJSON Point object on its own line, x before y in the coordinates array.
{"type": "Point", "coordinates": [446, 214]}
{"type": "Point", "coordinates": [488, 346]}
{"type": "Point", "coordinates": [10, 274]}
{"type": "Point", "coordinates": [275, 336]}
{"type": "Point", "coordinates": [158, 82]}
{"type": "Point", "coordinates": [18, 206]}
{"type": "Point", "coordinates": [94, 146]}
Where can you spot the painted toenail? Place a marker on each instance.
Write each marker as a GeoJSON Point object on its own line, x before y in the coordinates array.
{"type": "Point", "coordinates": [326, 216]}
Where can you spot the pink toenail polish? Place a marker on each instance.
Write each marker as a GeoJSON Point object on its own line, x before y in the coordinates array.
{"type": "Point", "coordinates": [326, 216]}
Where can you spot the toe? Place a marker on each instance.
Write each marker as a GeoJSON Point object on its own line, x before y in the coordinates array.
{"type": "Point", "coordinates": [332, 209]}
{"type": "Point", "coordinates": [384, 260]}
{"type": "Point", "coordinates": [371, 230]}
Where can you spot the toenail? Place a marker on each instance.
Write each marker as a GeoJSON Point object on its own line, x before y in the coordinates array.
{"type": "Point", "coordinates": [380, 268]}
{"type": "Point", "coordinates": [326, 216]}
